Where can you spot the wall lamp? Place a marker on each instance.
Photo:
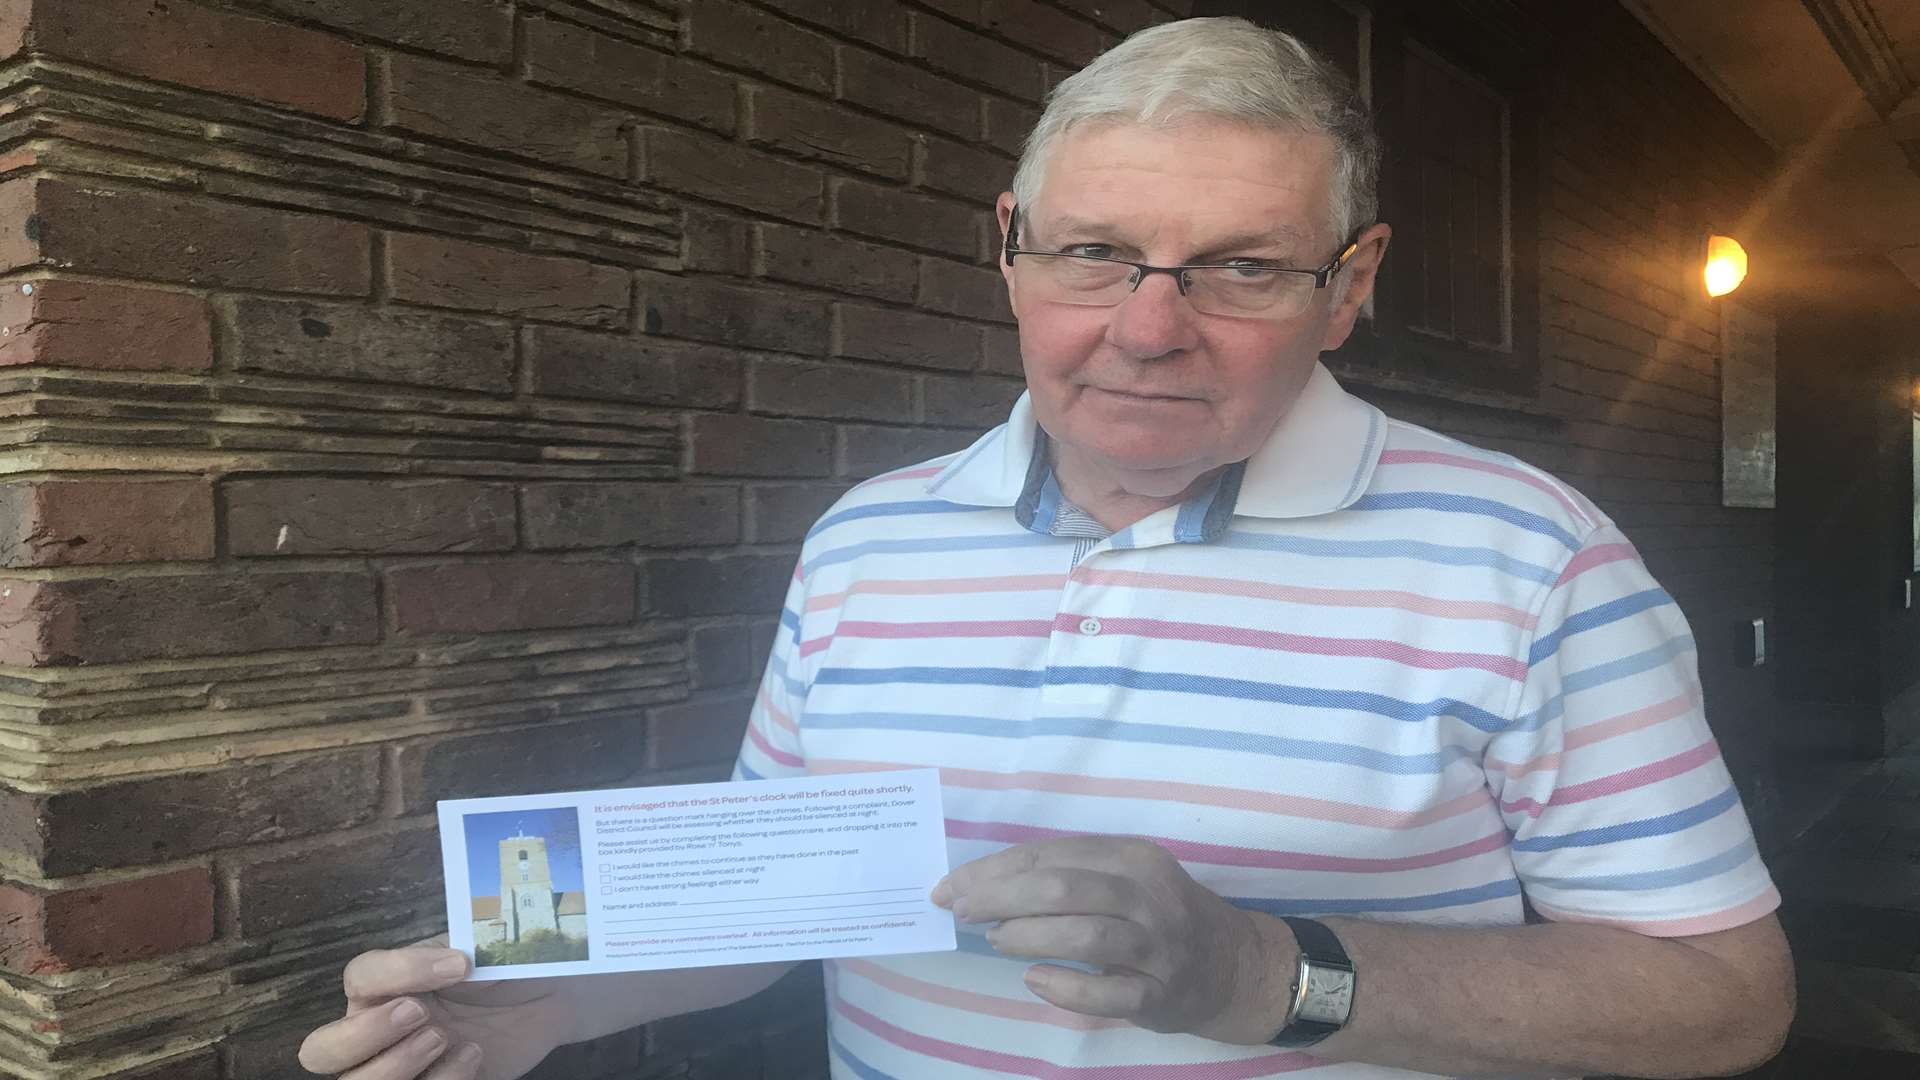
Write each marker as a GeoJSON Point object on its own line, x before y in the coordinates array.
{"type": "Point", "coordinates": [1726, 265]}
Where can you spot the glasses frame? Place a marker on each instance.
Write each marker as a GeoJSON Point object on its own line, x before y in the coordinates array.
{"type": "Point", "coordinates": [1322, 276]}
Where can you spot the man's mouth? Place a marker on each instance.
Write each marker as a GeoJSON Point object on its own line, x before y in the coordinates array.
{"type": "Point", "coordinates": [1142, 395]}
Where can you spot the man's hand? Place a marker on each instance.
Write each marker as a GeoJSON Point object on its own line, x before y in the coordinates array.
{"type": "Point", "coordinates": [410, 1015]}
{"type": "Point", "coordinates": [1173, 956]}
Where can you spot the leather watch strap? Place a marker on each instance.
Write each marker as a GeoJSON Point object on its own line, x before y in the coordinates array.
{"type": "Point", "coordinates": [1318, 945]}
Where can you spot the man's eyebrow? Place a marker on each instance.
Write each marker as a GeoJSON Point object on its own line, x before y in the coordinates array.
{"type": "Point", "coordinates": [1284, 238]}
{"type": "Point", "coordinates": [1067, 223]}
{"type": "Point", "coordinates": [1281, 239]}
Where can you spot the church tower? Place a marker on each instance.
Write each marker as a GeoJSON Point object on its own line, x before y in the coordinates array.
{"type": "Point", "coordinates": [526, 887]}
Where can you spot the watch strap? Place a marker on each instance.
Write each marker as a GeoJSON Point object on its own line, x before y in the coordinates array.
{"type": "Point", "coordinates": [1321, 946]}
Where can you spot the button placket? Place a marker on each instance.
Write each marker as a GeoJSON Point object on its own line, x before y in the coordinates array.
{"type": "Point", "coordinates": [1064, 649]}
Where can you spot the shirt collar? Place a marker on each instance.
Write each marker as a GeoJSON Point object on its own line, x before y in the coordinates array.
{"type": "Point", "coordinates": [1319, 458]}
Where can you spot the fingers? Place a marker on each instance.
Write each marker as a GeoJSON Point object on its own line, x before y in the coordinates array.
{"type": "Point", "coordinates": [1122, 995]}
{"type": "Point", "coordinates": [373, 977]}
{"type": "Point", "coordinates": [1089, 939]}
{"type": "Point", "coordinates": [352, 1040]}
{"type": "Point", "coordinates": [409, 1058]}
{"type": "Point", "coordinates": [1048, 891]}
{"type": "Point", "coordinates": [463, 1063]}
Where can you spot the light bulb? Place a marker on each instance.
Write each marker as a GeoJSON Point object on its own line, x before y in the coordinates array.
{"type": "Point", "coordinates": [1726, 265]}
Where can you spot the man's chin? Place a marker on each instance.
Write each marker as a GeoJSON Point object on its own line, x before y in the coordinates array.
{"type": "Point", "coordinates": [1153, 476]}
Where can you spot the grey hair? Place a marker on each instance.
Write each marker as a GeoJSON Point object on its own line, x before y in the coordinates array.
{"type": "Point", "coordinates": [1226, 69]}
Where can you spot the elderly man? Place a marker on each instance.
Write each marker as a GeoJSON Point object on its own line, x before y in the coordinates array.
{"type": "Point", "coordinates": [1259, 714]}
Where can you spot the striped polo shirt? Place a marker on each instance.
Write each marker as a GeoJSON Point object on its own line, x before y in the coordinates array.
{"type": "Point", "coordinates": [1372, 671]}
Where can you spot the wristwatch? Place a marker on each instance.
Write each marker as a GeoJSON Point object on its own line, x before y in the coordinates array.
{"type": "Point", "coordinates": [1321, 998]}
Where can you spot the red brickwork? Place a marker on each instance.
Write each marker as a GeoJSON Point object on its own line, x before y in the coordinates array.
{"type": "Point", "coordinates": [415, 399]}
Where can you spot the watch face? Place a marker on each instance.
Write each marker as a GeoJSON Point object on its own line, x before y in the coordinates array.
{"type": "Point", "coordinates": [1329, 997]}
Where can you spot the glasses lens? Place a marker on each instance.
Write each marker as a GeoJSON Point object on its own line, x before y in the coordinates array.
{"type": "Point", "coordinates": [1075, 279]}
{"type": "Point", "coordinates": [1249, 291]}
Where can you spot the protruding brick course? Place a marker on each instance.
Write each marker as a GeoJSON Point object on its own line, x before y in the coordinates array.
{"type": "Point", "coordinates": [45, 931]}
{"type": "Point", "coordinates": [79, 520]}
{"type": "Point", "coordinates": [137, 233]}
{"type": "Point", "coordinates": [227, 52]}
{"type": "Point", "coordinates": [158, 819]}
{"type": "Point", "coordinates": [112, 620]}
{"type": "Point", "coordinates": [93, 324]}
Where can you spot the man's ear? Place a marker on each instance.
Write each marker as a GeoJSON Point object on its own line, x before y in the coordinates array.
{"type": "Point", "coordinates": [1003, 209]}
{"type": "Point", "coordinates": [1360, 274]}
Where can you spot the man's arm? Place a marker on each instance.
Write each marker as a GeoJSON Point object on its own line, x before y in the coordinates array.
{"type": "Point", "coordinates": [1554, 1000]}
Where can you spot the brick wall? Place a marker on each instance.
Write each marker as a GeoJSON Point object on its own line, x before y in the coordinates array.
{"type": "Point", "coordinates": [412, 399]}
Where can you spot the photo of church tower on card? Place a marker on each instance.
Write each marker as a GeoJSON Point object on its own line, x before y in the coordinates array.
{"type": "Point", "coordinates": [529, 916]}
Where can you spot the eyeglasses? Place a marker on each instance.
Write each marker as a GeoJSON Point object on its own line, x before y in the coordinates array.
{"type": "Point", "coordinates": [1245, 290]}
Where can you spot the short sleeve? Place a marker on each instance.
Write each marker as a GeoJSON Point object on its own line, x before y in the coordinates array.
{"type": "Point", "coordinates": [771, 749]}
{"type": "Point", "coordinates": [1620, 806]}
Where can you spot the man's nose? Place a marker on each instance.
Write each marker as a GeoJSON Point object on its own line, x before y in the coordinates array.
{"type": "Point", "coordinates": [1155, 320]}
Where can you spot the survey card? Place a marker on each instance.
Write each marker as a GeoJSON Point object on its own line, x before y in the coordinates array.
{"type": "Point", "coordinates": [640, 879]}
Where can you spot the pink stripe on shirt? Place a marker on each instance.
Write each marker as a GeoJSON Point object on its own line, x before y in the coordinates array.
{"type": "Point", "coordinates": [1227, 855]}
{"type": "Point", "coordinates": [983, 1004]}
{"type": "Point", "coordinates": [940, 587]}
{"type": "Point", "coordinates": [1374, 649]}
{"type": "Point", "coordinates": [1741, 915]}
{"type": "Point", "coordinates": [1652, 772]}
{"type": "Point", "coordinates": [1461, 461]}
{"type": "Point", "coordinates": [1247, 1068]}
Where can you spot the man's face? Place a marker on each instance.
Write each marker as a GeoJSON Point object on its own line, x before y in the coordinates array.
{"type": "Point", "coordinates": [1152, 391]}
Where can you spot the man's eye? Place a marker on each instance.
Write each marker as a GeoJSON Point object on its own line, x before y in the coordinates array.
{"type": "Point", "coordinates": [1098, 251]}
{"type": "Point", "coordinates": [1255, 268]}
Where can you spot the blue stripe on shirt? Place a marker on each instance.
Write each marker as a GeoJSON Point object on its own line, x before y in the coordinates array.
{"type": "Point", "coordinates": [924, 545]}
{"type": "Point", "coordinates": [1161, 734]}
{"type": "Point", "coordinates": [1596, 617]}
{"type": "Point", "coordinates": [1393, 549]}
{"type": "Point", "coordinates": [1468, 504]}
{"type": "Point", "coordinates": [1635, 830]}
